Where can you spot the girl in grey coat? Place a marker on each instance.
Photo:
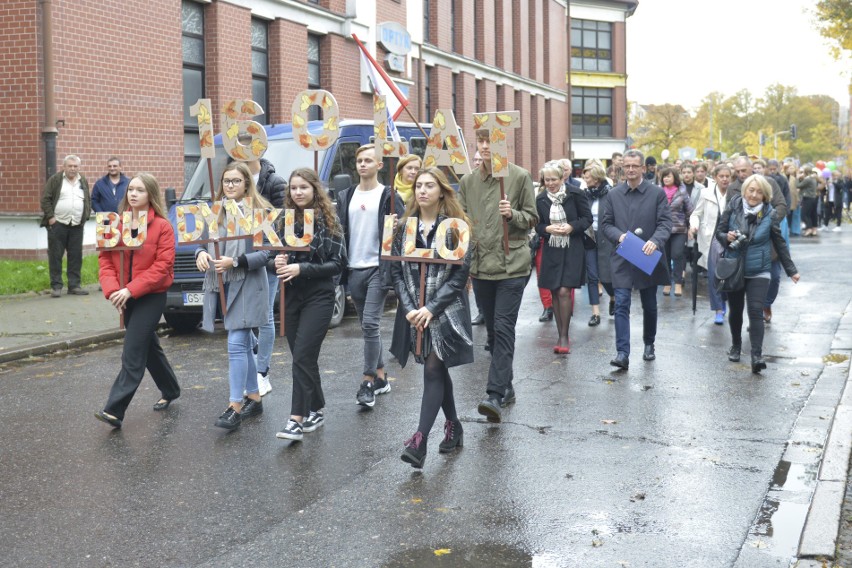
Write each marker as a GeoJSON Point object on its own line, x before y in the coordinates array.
{"type": "Point", "coordinates": [243, 273]}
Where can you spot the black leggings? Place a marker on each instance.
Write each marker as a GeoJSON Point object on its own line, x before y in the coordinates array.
{"type": "Point", "coordinates": [755, 290]}
{"type": "Point", "coordinates": [437, 394]}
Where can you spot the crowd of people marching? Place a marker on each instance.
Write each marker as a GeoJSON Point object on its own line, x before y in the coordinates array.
{"type": "Point", "coordinates": [731, 221]}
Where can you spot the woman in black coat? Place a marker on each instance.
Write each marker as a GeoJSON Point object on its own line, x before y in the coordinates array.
{"type": "Point", "coordinates": [444, 319]}
{"type": "Point", "coordinates": [564, 214]}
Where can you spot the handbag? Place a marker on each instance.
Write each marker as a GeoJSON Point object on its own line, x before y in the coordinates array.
{"type": "Point", "coordinates": [730, 273]}
{"type": "Point", "coordinates": [589, 242]}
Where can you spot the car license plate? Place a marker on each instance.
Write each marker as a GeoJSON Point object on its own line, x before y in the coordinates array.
{"type": "Point", "coordinates": [193, 298]}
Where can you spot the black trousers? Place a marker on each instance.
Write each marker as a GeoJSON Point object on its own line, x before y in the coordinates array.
{"type": "Point", "coordinates": [62, 238]}
{"type": "Point", "coordinates": [809, 212]}
{"type": "Point", "coordinates": [141, 350]}
{"type": "Point", "coordinates": [306, 319]}
{"type": "Point", "coordinates": [755, 292]}
{"type": "Point", "coordinates": [500, 302]}
{"type": "Point", "coordinates": [833, 211]}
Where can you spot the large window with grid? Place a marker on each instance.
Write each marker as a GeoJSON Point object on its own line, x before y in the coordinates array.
{"type": "Point", "coordinates": [260, 67]}
{"type": "Point", "coordinates": [591, 112]}
{"type": "Point", "coordinates": [314, 72]}
{"type": "Point", "coordinates": [192, 40]}
{"type": "Point", "coordinates": [591, 45]}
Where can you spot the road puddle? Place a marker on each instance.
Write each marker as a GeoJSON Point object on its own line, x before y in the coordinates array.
{"type": "Point", "coordinates": [778, 528]}
{"type": "Point", "coordinates": [473, 556]}
{"type": "Point", "coordinates": [795, 476]}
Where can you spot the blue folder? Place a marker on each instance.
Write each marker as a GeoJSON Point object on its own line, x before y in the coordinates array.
{"type": "Point", "coordinates": [630, 249]}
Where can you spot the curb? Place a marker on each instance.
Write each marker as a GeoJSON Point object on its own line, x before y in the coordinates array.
{"type": "Point", "coordinates": [65, 344]}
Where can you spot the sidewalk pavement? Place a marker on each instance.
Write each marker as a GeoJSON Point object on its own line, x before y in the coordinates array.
{"type": "Point", "coordinates": [37, 324]}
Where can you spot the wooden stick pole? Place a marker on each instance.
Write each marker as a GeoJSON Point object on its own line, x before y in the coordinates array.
{"type": "Point", "coordinates": [221, 282]}
{"type": "Point", "coordinates": [281, 305]}
{"type": "Point", "coordinates": [120, 286]}
{"type": "Point", "coordinates": [316, 162]}
{"type": "Point", "coordinates": [392, 186]}
{"type": "Point", "coordinates": [505, 221]}
{"type": "Point", "coordinates": [418, 349]}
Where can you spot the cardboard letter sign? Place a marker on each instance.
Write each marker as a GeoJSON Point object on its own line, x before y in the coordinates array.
{"type": "Point", "coordinates": [330, 112]}
{"type": "Point", "coordinates": [201, 109]}
{"type": "Point", "coordinates": [446, 130]}
{"type": "Point", "coordinates": [384, 148]}
{"type": "Point", "coordinates": [496, 123]}
{"type": "Point", "coordinates": [236, 120]}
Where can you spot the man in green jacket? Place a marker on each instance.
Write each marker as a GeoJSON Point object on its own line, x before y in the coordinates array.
{"type": "Point", "coordinates": [499, 279]}
{"type": "Point", "coordinates": [66, 205]}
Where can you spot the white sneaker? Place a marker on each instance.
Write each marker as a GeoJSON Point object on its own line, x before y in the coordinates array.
{"type": "Point", "coordinates": [836, 230]}
{"type": "Point", "coordinates": [263, 385]}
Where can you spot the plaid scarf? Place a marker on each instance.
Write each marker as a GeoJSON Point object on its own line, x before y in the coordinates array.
{"type": "Point", "coordinates": [451, 321]}
{"type": "Point", "coordinates": [557, 217]}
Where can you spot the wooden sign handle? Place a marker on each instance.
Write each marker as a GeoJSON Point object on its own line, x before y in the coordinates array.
{"type": "Point", "coordinates": [392, 187]}
{"type": "Point", "coordinates": [505, 221]}
{"type": "Point", "coordinates": [221, 282]}
{"type": "Point", "coordinates": [418, 348]}
{"type": "Point", "coordinates": [281, 304]}
{"type": "Point", "coordinates": [120, 286]}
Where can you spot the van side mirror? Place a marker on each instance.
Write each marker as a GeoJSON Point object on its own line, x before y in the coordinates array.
{"type": "Point", "coordinates": [340, 182]}
{"type": "Point", "coordinates": [171, 196]}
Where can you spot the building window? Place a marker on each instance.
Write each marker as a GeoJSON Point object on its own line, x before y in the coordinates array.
{"type": "Point", "coordinates": [591, 45]}
{"type": "Point", "coordinates": [453, 25]}
{"type": "Point", "coordinates": [192, 39]}
{"type": "Point", "coordinates": [455, 87]}
{"type": "Point", "coordinates": [591, 113]}
{"type": "Point", "coordinates": [314, 72]}
{"type": "Point", "coordinates": [426, 21]}
{"type": "Point", "coordinates": [260, 67]}
{"type": "Point", "coordinates": [500, 105]}
{"type": "Point", "coordinates": [480, 95]}
{"type": "Point", "coordinates": [427, 92]}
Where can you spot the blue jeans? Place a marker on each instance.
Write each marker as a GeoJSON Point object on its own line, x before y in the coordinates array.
{"type": "Point", "coordinates": [266, 332]}
{"type": "Point", "coordinates": [717, 299]}
{"type": "Point", "coordinates": [242, 369]}
{"type": "Point", "coordinates": [622, 317]}
{"type": "Point", "coordinates": [796, 222]}
{"type": "Point", "coordinates": [592, 278]}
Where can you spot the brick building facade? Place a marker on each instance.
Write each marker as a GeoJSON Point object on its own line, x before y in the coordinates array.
{"type": "Point", "coordinates": [124, 71]}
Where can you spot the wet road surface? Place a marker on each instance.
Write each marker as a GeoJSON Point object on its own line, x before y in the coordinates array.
{"type": "Point", "coordinates": [668, 464]}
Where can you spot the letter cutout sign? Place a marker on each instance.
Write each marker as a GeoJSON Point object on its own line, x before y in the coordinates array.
{"type": "Point", "coordinates": [446, 130]}
{"type": "Point", "coordinates": [330, 112]}
{"type": "Point", "coordinates": [202, 110]}
{"type": "Point", "coordinates": [496, 123]}
{"type": "Point", "coordinates": [384, 148]}
{"type": "Point", "coordinates": [236, 120]}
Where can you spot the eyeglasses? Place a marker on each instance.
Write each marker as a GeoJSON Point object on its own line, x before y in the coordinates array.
{"type": "Point", "coordinates": [631, 167]}
{"type": "Point", "coordinates": [232, 182]}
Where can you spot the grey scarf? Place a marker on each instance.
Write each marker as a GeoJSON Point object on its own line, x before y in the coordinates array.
{"type": "Point", "coordinates": [557, 217]}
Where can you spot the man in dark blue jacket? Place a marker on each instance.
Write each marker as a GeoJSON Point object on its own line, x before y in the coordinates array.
{"type": "Point", "coordinates": [109, 190]}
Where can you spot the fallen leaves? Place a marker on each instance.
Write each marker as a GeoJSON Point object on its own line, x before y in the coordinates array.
{"type": "Point", "coordinates": [442, 551]}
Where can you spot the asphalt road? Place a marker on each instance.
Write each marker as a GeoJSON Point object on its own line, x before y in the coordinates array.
{"type": "Point", "coordinates": [668, 464]}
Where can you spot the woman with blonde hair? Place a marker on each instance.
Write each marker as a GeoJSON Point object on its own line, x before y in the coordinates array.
{"type": "Point", "coordinates": [563, 217]}
{"type": "Point", "coordinates": [407, 169]}
{"type": "Point", "coordinates": [149, 271]}
{"type": "Point", "coordinates": [243, 271]}
{"type": "Point", "coordinates": [444, 319]}
{"type": "Point", "coordinates": [748, 222]}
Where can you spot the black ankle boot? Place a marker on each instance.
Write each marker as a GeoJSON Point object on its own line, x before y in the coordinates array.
{"type": "Point", "coordinates": [415, 450]}
{"type": "Point", "coordinates": [453, 437]}
{"type": "Point", "coordinates": [757, 363]}
{"type": "Point", "coordinates": [734, 353]}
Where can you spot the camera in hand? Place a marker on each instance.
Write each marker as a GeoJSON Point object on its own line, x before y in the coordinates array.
{"type": "Point", "coordinates": [737, 243]}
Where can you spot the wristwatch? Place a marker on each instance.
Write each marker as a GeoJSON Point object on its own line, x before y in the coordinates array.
{"type": "Point", "coordinates": [236, 262]}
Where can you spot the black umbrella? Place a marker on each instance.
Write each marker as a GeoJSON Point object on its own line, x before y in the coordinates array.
{"type": "Point", "coordinates": [695, 255]}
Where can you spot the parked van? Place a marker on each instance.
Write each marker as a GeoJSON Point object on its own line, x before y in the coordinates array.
{"type": "Point", "coordinates": [336, 171]}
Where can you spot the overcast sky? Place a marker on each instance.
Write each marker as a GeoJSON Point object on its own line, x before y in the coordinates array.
{"type": "Point", "coordinates": [678, 51]}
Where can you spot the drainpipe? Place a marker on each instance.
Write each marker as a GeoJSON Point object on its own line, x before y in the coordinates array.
{"type": "Point", "coordinates": [49, 132]}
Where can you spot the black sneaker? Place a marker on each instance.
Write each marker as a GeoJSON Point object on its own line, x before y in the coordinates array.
{"type": "Point", "coordinates": [453, 437]}
{"type": "Point", "coordinates": [366, 396]}
{"type": "Point", "coordinates": [415, 450]}
{"type": "Point", "coordinates": [734, 353]}
{"type": "Point", "coordinates": [292, 431]}
{"type": "Point", "coordinates": [381, 386]}
{"type": "Point", "coordinates": [313, 421]}
{"type": "Point", "coordinates": [230, 419]}
{"type": "Point", "coordinates": [490, 408]}
{"type": "Point", "coordinates": [508, 398]}
{"type": "Point", "coordinates": [251, 407]}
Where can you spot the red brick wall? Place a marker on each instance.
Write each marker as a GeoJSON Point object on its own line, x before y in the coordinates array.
{"type": "Point", "coordinates": [344, 79]}
{"type": "Point", "coordinates": [288, 70]}
{"type": "Point", "coordinates": [21, 169]}
{"type": "Point", "coordinates": [466, 102]}
{"type": "Point", "coordinates": [523, 134]}
{"type": "Point", "coordinates": [227, 49]}
{"type": "Point", "coordinates": [503, 41]}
